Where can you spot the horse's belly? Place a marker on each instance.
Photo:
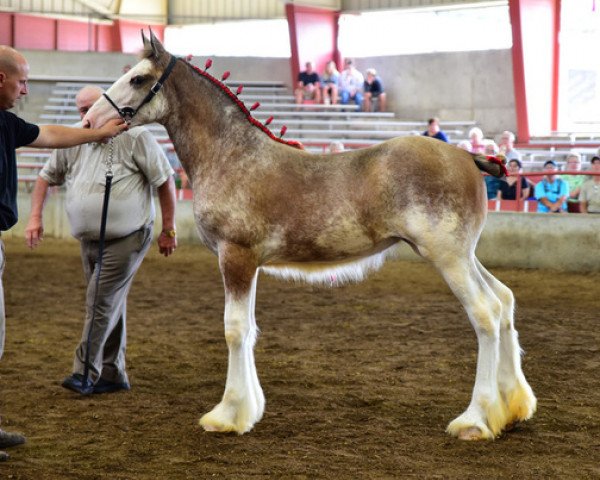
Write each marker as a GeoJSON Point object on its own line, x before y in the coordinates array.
{"type": "Point", "coordinates": [309, 251]}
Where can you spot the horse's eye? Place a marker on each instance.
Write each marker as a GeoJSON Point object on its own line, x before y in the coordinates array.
{"type": "Point", "coordinates": [137, 80]}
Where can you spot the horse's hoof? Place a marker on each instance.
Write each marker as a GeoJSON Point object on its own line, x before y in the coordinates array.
{"type": "Point", "coordinates": [465, 428]}
{"type": "Point", "coordinates": [470, 434]}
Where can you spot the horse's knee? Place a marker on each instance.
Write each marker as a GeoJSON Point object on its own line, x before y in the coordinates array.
{"type": "Point", "coordinates": [236, 331]}
{"type": "Point", "coordinates": [486, 315]}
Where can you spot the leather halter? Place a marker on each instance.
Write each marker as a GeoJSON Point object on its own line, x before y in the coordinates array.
{"type": "Point", "coordinates": [127, 113]}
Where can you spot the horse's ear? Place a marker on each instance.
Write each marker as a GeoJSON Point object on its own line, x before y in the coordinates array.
{"type": "Point", "coordinates": [148, 50]}
{"type": "Point", "coordinates": [157, 47]}
{"type": "Point", "coordinates": [145, 40]}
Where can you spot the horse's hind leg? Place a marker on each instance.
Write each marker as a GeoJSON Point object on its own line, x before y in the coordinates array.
{"type": "Point", "coordinates": [243, 402]}
{"type": "Point", "coordinates": [515, 390]}
{"type": "Point", "coordinates": [486, 415]}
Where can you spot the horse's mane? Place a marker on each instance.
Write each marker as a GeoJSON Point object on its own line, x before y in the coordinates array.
{"type": "Point", "coordinates": [234, 97]}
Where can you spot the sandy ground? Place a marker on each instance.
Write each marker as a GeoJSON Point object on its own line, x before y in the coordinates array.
{"type": "Point", "coordinates": [360, 380]}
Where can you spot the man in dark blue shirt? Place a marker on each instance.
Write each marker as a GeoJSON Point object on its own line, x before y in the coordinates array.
{"type": "Point", "coordinates": [308, 86]}
{"type": "Point", "coordinates": [15, 133]}
{"type": "Point", "coordinates": [433, 130]}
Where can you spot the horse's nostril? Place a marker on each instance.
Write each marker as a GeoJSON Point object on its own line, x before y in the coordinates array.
{"type": "Point", "coordinates": [86, 124]}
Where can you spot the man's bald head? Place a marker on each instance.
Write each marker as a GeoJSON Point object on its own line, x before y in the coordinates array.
{"type": "Point", "coordinates": [86, 97]}
{"type": "Point", "coordinates": [10, 60]}
{"type": "Point", "coordinates": [14, 73]}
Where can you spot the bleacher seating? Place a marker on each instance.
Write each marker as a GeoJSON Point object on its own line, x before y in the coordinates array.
{"type": "Point", "coordinates": [315, 125]}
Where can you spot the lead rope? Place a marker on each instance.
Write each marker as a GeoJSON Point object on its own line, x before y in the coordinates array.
{"type": "Point", "coordinates": [109, 177]}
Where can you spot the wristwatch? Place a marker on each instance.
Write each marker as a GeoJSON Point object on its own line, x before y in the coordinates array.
{"type": "Point", "coordinates": [170, 233]}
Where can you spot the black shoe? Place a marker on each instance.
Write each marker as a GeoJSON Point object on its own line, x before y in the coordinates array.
{"type": "Point", "coordinates": [8, 439]}
{"type": "Point", "coordinates": [104, 386]}
{"type": "Point", "coordinates": [75, 383]}
{"type": "Point", "coordinates": [3, 456]}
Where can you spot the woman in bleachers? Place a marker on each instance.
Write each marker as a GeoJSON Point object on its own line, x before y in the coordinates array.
{"type": "Point", "coordinates": [476, 139]}
{"type": "Point", "coordinates": [508, 186]}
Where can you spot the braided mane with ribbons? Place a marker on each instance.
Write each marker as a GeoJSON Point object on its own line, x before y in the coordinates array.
{"type": "Point", "coordinates": [234, 97]}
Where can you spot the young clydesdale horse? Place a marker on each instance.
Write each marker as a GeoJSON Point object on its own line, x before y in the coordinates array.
{"type": "Point", "coordinates": [262, 204]}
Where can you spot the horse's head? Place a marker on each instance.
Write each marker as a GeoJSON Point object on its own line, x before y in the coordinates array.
{"type": "Point", "coordinates": [137, 95]}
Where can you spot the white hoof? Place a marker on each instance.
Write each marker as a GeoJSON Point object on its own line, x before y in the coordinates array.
{"type": "Point", "coordinates": [464, 429]}
{"type": "Point", "coordinates": [234, 416]}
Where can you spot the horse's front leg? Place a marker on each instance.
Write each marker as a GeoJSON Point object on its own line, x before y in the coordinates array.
{"type": "Point", "coordinates": [243, 402]}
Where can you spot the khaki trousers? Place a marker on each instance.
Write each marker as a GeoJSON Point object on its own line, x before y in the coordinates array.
{"type": "Point", "coordinates": [108, 339]}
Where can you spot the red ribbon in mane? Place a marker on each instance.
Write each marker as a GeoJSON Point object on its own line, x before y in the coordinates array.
{"type": "Point", "coordinates": [240, 104]}
{"type": "Point", "coordinates": [498, 161]}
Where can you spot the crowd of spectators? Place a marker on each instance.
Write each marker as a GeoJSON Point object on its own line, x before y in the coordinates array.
{"type": "Point", "coordinates": [554, 192]}
{"type": "Point", "coordinates": [349, 86]}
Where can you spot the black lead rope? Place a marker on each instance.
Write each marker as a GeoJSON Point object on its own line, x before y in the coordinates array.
{"type": "Point", "coordinates": [109, 177]}
{"type": "Point", "coordinates": [126, 113]}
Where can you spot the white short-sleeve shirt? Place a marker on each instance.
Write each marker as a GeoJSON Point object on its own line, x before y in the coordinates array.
{"type": "Point", "coordinates": [138, 164]}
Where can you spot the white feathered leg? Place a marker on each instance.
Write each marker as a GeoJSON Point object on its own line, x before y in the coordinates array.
{"type": "Point", "coordinates": [516, 392]}
{"type": "Point", "coordinates": [243, 401]}
{"type": "Point", "coordinates": [486, 415]}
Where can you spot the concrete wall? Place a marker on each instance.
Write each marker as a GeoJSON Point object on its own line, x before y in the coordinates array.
{"type": "Point", "coordinates": [525, 240]}
{"type": "Point", "coordinates": [453, 86]}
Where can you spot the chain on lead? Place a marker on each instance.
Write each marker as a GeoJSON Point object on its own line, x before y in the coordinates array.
{"type": "Point", "coordinates": [109, 161]}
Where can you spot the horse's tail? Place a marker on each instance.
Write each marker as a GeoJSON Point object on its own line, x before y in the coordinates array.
{"type": "Point", "coordinates": [495, 166]}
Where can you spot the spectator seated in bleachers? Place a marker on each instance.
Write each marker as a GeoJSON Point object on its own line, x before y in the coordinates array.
{"type": "Point", "coordinates": [589, 197]}
{"type": "Point", "coordinates": [552, 192]}
{"type": "Point", "coordinates": [373, 88]}
{"type": "Point", "coordinates": [434, 131]}
{"type": "Point", "coordinates": [507, 146]}
{"type": "Point", "coordinates": [351, 85]}
{"type": "Point", "coordinates": [308, 86]}
{"type": "Point", "coordinates": [508, 185]}
{"type": "Point", "coordinates": [492, 183]}
{"type": "Point", "coordinates": [573, 164]}
{"type": "Point", "coordinates": [329, 84]}
{"type": "Point", "coordinates": [477, 141]}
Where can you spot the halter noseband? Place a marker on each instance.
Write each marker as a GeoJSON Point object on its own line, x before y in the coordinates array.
{"type": "Point", "coordinates": [127, 113]}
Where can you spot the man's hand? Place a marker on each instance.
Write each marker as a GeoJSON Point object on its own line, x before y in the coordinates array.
{"type": "Point", "coordinates": [167, 242]}
{"type": "Point", "coordinates": [112, 128]}
{"type": "Point", "coordinates": [34, 232]}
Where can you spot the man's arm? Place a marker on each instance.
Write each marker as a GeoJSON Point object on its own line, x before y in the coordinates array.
{"type": "Point", "coordinates": [167, 240]}
{"type": "Point", "coordinates": [60, 136]}
{"type": "Point", "coordinates": [34, 231]}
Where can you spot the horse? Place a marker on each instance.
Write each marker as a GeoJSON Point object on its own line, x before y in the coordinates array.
{"type": "Point", "coordinates": [264, 204]}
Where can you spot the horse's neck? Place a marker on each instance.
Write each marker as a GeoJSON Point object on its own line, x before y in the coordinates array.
{"type": "Point", "coordinates": [206, 127]}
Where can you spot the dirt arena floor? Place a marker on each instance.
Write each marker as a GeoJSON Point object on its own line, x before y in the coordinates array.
{"type": "Point", "coordinates": [360, 380]}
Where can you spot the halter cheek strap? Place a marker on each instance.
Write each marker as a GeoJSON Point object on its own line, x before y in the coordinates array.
{"type": "Point", "coordinates": [127, 113]}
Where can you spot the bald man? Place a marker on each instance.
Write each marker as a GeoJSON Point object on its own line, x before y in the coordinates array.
{"type": "Point", "coordinates": [15, 133]}
{"type": "Point", "coordinates": [139, 165]}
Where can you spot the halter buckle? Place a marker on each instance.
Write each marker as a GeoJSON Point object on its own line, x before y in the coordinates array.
{"type": "Point", "coordinates": [156, 87]}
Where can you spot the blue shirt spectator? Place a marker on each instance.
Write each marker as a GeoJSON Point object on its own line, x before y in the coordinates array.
{"type": "Point", "coordinates": [552, 192]}
{"type": "Point", "coordinates": [434, 131]}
